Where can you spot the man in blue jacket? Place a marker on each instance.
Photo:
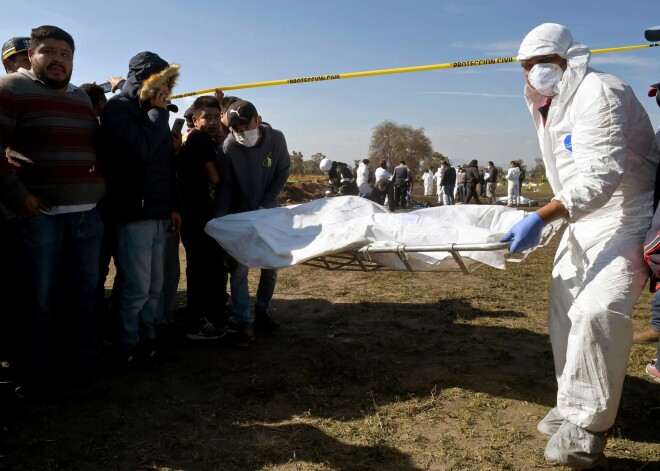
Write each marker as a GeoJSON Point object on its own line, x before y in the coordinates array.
{"type": "Point", "coordinates": [138, 163]}
{"type": "Point", "coordinates": [253, 166]}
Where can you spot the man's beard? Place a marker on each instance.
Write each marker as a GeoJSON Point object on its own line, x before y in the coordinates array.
{"type": "Point", "coordinates": [55, 84]}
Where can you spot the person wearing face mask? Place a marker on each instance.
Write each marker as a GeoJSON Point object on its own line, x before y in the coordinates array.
{"type": "Point", "coordinates": [600, 156]}
{"type": "Point", "coordinates": [253, 167]}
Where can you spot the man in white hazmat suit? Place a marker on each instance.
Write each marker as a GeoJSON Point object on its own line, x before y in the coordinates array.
{"type": "Point", "coordinates": [427, 178]}
{"type": "Point", "coordinates": [600, 156]}
{"type": "Point", "coordinates": [363, 174]}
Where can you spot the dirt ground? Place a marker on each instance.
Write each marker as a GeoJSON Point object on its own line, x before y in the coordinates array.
{"type": "Point", "coordinates": [369, 371]}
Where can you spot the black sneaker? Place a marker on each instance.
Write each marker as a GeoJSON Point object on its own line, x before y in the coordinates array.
{"type": "Point", "coordinates": [231, 325]}
{"type": "Point", "coordinates": [206, 331]}
{"type": "Point", "coordinates": [148, 357]}
{"type": "Point", "coordinates": [263, 320]}
{"type": "Point", "coordinates": [120, 360]}
{"type": "Point", "coordinates": [245, 335]}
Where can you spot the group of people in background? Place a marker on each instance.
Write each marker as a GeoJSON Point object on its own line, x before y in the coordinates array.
{"type": "Point", "coordinates": [391, 189]}
{"type": "Point", "coordinates": [84, 180]}
{"type": "Point", "coordinates": [455, 185]}
{"type": "Point", "coordinates": [465, 183]}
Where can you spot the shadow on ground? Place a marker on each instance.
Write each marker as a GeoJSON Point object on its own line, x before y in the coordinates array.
{"type": "Point", "coordinates": [221, 408]}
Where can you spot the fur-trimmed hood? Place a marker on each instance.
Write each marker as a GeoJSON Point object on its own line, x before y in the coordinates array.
{"type": "Point", "coordinates": [146, 73]}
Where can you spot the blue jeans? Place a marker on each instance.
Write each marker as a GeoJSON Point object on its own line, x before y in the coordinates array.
{"type": "Point", "coordinates": [655, 320]}
{"type": "Point", "coordinates": [240, 294]}
{"type": "Point", "coordinates": [655, 311]}
{"type": "Point", "coordinates": [60, 273]}
{"type": "Point", "coordinates": [140, 257]}
{"type": "Point", "coordinates": [448, 195]}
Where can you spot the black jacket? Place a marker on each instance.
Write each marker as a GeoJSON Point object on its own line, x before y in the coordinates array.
{"type": "Point", "coordinates": [493, 174]}
{"type": "Point", "coordinates": [472, 176]}
{"type": "Point", "coordinates": [136, 154]}
{"type": "Point", "coordinates": [342, 180]}
{"type": "Point", "coordinates": [448, 177]}
{"type": "Point", "coordinates": [401, 175]}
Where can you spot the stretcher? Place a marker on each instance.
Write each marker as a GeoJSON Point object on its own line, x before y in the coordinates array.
{"type": "Point", "coordinates": [366, 259]}
{"type": "Point", "coordinates": [354, 234]}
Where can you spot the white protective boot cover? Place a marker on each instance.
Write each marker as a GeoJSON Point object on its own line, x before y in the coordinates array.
{"type": "Point", "coordinates": [549, 424]}
{"type": "Point", "coordinates": [575, 447]}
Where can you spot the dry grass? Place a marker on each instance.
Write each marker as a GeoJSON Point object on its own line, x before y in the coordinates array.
{"type": "Point", "coordinates": [379, 371]}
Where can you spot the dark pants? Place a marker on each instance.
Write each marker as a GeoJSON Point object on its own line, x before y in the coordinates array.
{"type": "Point", "coordinates": [382, 189]}
{"type": "Point", "coordinates": [61, 263]}
{"type": "Point", "coordinates": [10, 285]}
{"type": "Point", "coordinates": [206, 274]}
{"type": "Point", "coordinates": [107, 313]}
{"type": "Point", "coordinates": [400, 195]}
{"type": "Point", "coordinates": [472, 193]}
{"type": "Point", "coordinates": [390, 197]}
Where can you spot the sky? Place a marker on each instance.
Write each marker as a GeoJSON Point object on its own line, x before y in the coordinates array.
{"type": "Point", "coordinates": [467, 113]}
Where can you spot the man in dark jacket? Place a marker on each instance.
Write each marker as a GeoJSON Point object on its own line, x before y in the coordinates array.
{"type": "Point", "coordinates": [138, 163]}
{"type": "Point", "coordinates": [472, 177]}
{"type": "Point", "coordinates": [401, 179]}
{"type": "Point", "coordinates": [491, 182]}
{"type": "Point", "coordinates": [206, 275]}
{"type": "Point", "coordinates": [448, 180]}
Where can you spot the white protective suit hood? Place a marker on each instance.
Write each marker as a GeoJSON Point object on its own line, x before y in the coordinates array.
{"type": "Point", "coordinates": [551, 38]}
{"type": "Point", "coordinates": [545, 40]}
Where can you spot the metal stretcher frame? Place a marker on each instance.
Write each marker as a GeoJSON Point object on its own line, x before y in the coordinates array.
{"type": "Point", "coordinates": [361, 260]}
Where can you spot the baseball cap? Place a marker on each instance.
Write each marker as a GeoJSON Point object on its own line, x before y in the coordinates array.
{"type": "Point", "coordinates": [654, 89]}
{"type": "Point", "coordinates": [14, 46]}
{"type": "Point", "coordinates": [240, 113]}
{"type": "Point", "coordinates": [652, 34]}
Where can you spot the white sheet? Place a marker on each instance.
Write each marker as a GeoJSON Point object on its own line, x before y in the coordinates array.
{"type": "Point", "coordinates": [286, 236]}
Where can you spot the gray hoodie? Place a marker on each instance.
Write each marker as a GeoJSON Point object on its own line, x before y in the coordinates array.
{"type": "Point", "coordinates": [251, 178]}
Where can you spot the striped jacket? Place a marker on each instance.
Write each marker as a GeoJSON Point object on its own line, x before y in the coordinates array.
{"type": "Point", "coordinates": [58, 131]}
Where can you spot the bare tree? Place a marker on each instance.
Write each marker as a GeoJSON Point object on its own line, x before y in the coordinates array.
{"type": "Point", "coordinates": [394, 142]}
{"type": "Point", "coordinates": [436, 159]}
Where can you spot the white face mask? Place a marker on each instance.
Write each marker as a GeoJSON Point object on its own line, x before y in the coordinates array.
{"type": "Point", "coordinates": [545, 78]}
{"type": "Point", "coordinates": [247, 138]}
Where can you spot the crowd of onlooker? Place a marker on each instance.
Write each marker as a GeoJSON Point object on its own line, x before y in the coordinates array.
{"type": "Point", "coordinates": [85, 181]}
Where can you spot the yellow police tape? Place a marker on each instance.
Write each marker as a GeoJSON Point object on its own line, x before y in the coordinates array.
{"type": "Point", "coordinates": [420, 68]}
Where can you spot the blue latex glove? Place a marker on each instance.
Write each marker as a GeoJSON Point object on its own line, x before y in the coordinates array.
{"type": "Point", "coordinates": [525, 234]}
